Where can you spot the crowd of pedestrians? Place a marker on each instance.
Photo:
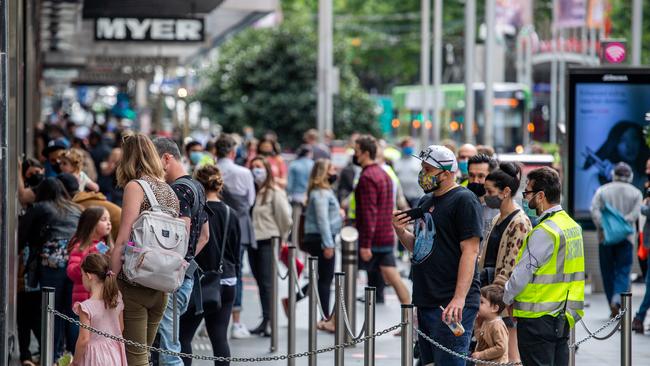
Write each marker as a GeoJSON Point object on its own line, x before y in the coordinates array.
{"type": "Point", "coordinates": [491, 250]}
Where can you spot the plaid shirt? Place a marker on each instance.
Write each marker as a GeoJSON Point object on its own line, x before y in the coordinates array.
{"type": "Point", "coordinates": [375, 203]}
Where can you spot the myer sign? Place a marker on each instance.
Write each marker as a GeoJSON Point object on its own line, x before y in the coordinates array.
{"type": "Point", "coordinates": [149, 29]}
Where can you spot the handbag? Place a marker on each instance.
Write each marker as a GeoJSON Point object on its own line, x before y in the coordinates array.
{"type": "Point", "coordinates": [211, 280]}
{"type": "Point", "coordinates": [615, 228]}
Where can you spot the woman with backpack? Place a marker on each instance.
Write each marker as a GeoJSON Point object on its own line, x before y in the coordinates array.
{"type": "Point", "coordinates": [271, 218]}
{"type": "Point", "coordinates": [219, 261]}
{"type": "Point", "coordinates": [47, 227]}
{"type": "Point", "coordinates": [143, 306]}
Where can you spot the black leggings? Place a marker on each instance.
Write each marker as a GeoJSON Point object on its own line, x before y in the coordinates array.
{"type": "Point", "coordinates": [261, 262]}
{"type": "Point", "coordinates": [28, 317]}
{"type": "Point", "coordinates": [312, 244]}
{"type": "Point", "coordinates": [216, 323]}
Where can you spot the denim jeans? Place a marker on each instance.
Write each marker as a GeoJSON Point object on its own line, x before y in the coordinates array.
{"type": "Point", "coordinates": [239, 287]}
{"type": "Point", "coordinates": [645, 303]}
{"type": "Point", "coordinates": [166, 328]}
{"type": "Point", "coordinates": [615, 267]}
{"type": "Point", "coordinates": [430, 323]}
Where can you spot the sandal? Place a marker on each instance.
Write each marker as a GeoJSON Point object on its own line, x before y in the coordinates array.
{"type": "Point", "coordinates": [326, 326]}
{"type": "Point", "coordinates": [28, 363]}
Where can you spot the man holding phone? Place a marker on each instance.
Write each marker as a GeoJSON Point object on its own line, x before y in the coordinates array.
{"type": "Point", "coordinates": [445, 248]}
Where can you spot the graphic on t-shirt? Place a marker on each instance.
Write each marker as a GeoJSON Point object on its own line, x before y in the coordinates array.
{"type": "Point", "coordinates": [425, 234]}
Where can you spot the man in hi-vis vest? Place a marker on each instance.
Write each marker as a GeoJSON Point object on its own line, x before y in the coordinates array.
{"type": "Point", "coordinates": [546, 291]}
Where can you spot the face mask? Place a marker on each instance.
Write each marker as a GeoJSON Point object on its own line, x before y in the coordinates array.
{"type": "Point", "coordinates": [260, 175]}
{"type": "Point", "coordinates": [463, 165]}
{"type": "Point", "coordinates": [195, 157]}
{"type": "Point", "coordinates": [355, 160]}
{"type": "Point", "coordinates": [493, 201]}
{"type": "Point", "coordinates": [56, 168]}
{"type": "Point", "coordinates": [530, 212]}
{"type": "Point", "coordinates": [34, 180]}
{"type": "Point", "coordinates": [428, 182]}
{"type": "Point", "coordinates": [332, 179]}
{"type": "Point", "coordinates": [477, 188]}
{"type": "Point", "coordinates": [266, 153]}
{"type": "Point", "coordinates": [408, 151]}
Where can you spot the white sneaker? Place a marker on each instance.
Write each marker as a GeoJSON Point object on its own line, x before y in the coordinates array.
{"type": "Point", "coordinates": [239, 331]}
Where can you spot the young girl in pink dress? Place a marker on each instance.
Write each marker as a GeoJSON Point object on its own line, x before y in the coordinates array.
{"type": "Point", "coordinates": [102, 311]}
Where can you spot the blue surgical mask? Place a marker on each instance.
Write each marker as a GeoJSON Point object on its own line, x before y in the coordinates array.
{"type": "Point", "coordinates": [531, 213]}
{"type": "Point", "coordinates": [195, 157]}
{"type": "Point", "coordinates": [464, 167]}
{"type": "Point", "coordinates": [408, 150]}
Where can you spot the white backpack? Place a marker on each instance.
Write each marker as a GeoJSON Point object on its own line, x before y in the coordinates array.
{"type": "Point", "coordinates": [157, 258]}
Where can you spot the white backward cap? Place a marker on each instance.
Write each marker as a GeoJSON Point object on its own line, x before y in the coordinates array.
{"type": "Point", "coordinates": [439, 157]}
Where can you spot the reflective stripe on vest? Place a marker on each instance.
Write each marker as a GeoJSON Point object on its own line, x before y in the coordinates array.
{"type": "Point", "coordinates": [561, 279]}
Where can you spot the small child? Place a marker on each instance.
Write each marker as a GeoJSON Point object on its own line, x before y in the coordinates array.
{"type": "Point", "coordinates": [72, 162]}
{"type": "Point", "coordinates": [93, 235]}
{"type": "Point", "coordinates": [102, 311]}
{"type": "Point", "coordinates": [492, 337]}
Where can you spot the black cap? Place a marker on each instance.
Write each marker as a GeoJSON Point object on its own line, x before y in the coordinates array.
{"type": "Point", "coordinates": [54, 145]}
{"type": "Point", "coordinates": [70, 183]}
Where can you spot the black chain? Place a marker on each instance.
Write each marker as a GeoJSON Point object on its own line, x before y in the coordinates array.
{"type": "Point", "coordinates": [221, 359]}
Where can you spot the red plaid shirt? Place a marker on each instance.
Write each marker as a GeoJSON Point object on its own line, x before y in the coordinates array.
{"type": "Point", "coordinates": [375, 204]}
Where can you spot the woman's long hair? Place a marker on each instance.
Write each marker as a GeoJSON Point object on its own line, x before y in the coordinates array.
{"type": "Point", "coordinates": [139, 158]}
{"type": "Point", "coordinates": [87, 222]}
{"type": "Point", "coordinates": [97, 264]}
{"type": "Point", "coordinates": [269, 183]}
{"type": "Point", "coordinates": [52, 190]}
{"type": "Point", "coordinates": [319, 177]}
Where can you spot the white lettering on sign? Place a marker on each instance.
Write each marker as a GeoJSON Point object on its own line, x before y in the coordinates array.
{"type": "Point", "coordinates": [149, 29]}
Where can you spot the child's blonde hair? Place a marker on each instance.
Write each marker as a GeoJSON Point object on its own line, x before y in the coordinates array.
{"type": "Point", "coordinates": [76, 159]}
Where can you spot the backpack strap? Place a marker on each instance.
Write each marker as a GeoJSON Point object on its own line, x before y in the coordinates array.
{"type": "Point", "coordinates": [146, 187]}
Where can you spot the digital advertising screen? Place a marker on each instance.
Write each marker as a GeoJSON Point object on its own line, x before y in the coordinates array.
{"type": "Point", "coordinates": [608, 109]}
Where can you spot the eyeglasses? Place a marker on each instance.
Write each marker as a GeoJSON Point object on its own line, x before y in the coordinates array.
{"type": "Point", "coordinates": [526, 193]}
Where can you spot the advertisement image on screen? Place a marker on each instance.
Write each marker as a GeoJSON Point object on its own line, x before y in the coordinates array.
{"type": "Point", "coordinates": [607, 124]}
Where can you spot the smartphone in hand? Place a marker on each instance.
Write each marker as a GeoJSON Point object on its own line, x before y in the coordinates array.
{"type": "Point", "coordinates": [413, 214]}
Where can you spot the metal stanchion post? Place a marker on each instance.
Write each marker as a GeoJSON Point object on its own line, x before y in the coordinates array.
{"type": "Point", "coordinates": [626, 329]}
{"type": "Point", "coordinates": [572, 350]}
{"type": "Point", "coordinates": [339, 321]}
{"type": "Point", "coordinates": [275, 244]}
{"type": "Point", "coordinates": [47, 326]}
{"type": "Point", "coordinates": [291, 338]}
{"type": "Point", "coordinates": [369, 344]}
{"type": "Point", "coordinates": [313, 308]}
{"type": "Point", "coordinates": [349, 237]}
{"type": "Point", "coordinates": [407, 335]}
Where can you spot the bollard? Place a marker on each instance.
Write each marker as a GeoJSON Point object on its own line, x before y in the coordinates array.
{"type": "Point", "coordinates": [339, 333]}
{"type": "Point", "coordinates": [349, 260]}
{"type": "Point", "coordinates": [572, 350]}
{"type": "Point", "coordinates": [275, 247]}
{"type": "Point", "coordinates": [47, 326]}
{"type": "Point", "coordinates": [313, 308]}
{"type": "Point", "coordinates": [626, 329]}
{"type": "Point", "coordinates": [369, 344]}
{"type": "Point", "coordinates": [407, 335]}
{"type": "Point", "coordinates": [291, 338]}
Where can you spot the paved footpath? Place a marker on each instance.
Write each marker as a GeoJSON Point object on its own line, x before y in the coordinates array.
{"type": "Point", "coordinates": [591, 353]}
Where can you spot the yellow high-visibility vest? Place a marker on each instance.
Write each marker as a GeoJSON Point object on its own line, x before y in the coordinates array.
{"type": "Point", "coordinates": [561, 279]}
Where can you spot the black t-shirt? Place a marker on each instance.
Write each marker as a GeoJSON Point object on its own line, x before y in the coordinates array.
{"type": "Point", "coordinates": [457, 216]}
{"type": "Point", "coordinates": [186, 202]}
{"type": "Point", "coordinates": [208, 259]}
{"type": "Point", "coordinates": [492, 250]}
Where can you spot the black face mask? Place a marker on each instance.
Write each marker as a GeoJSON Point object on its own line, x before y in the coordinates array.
{"type": "Point", "coordinates": [34, 180]}
{"type": "Point", "coordinates": [355, 160]}
{"type": "Point", "coordinates": [266, 153]}
{"type": "Point", "coordinates": [332, 179]}
{"type": "Point", "coordinates": [477, 188]}
{"type": "Point", "coordinates": [57, 168]}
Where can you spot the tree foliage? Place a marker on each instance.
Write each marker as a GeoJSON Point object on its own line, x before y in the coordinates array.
{"type": "Point", "coordinates": [266, 78]}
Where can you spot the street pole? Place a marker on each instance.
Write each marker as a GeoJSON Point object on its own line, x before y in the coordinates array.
{"type": "Point", "coordinates": [553, 102]}
{"type": "Point", "coordinates": [637, 21]}
{"type": "Point", "coordinates": [425, 66]}
{"type": "Point", "coordinates": [490, 44]}
{"type": "Point", "coordinates": [561, 119]}
{"type": "Point", "coordinates": [437, 69]}
{"type": "Point", "coordinates": [325, 65]}
{"type": "Point", "coordinates": [470, 38]}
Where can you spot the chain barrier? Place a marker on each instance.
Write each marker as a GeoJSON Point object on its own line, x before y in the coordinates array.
{"type": "Point", "coordinates": [616, 319]}
{"type": "Point", "coordinates": [348, 327]}
{"type": "Point", "coordinates": [217, 358]}
{"type": "Point", "coordinates": [462, 356]}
